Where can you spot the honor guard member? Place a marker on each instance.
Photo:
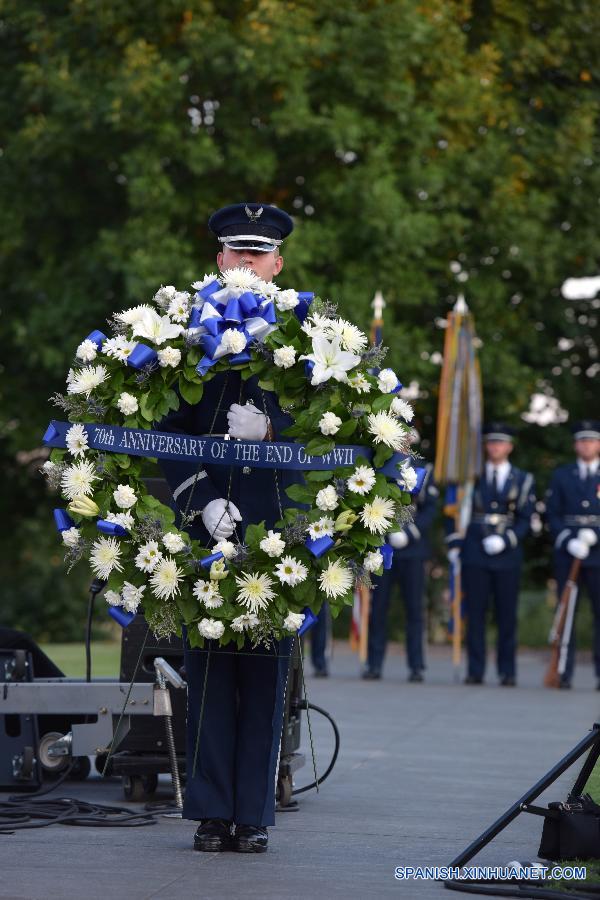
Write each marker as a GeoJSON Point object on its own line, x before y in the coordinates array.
{"type": "Point", "coordinates": [491, 553]}
{"type": "Point", "coordinates": [232, 762]}
{"type": "Point", "coordinates": [319, 633]}
{"type": "Point", "coordinates": [411, 550]}
{"type": "Point", "coordinates": [573, 513]}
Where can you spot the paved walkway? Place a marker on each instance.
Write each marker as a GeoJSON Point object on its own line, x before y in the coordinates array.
{"type": "Point", "coordinates": [423, 769]}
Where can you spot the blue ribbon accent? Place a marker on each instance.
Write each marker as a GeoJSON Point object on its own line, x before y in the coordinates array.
{"type": "Point", "coordinates": [305, 298]}
{"type": "Point", "coordinates": [398, 387]}
{"type": "Point", "coordinates": [308, 367]}
{"type": "Point", "coordinates": [388, 555]}
{"type": "Point", "coordinates": [319, 546]}
{"type": "Point", "coordinates": [51, 434]}
{"type": "Point", "coordinates": [97, 337]}
{"type": "Point", "coordinates": [421, 472]}
{"type": "Point", "coordinates": [207, 562]}
{"type": "Point", "coordinates": [112, 528]}
{"type": "Point", "coordinates": [237, 359]}
{"type": "Point", "coordinates": [62, 520]}
{"type": "Point", "coordinates": [209, 289]}
{"type": "Point", "coordinates": [142, 356]}
{"type": "Point", "coordinates": [309, 620]}
{"type": "Point", "coordinates": [121, 615]}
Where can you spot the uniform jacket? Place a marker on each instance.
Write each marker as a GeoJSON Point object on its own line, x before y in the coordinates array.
{"type": "Point", "coordinates": [418, 546]}
{"type": "Point", "coordinates": [253, 491]}
{"type": "Point", "coordinates": [509, 515]}
{"type": "Point", "coordinates": [571, 504]}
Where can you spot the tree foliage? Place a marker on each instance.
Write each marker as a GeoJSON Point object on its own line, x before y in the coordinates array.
{"type": "Point", "coordinates": [406, 138]}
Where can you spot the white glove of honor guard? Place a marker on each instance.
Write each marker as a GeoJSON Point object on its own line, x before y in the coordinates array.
{"type": "Point", "coordinates": [578, 548]}
{"type": "Point", "coordinates": [493, 544]}
{"type": "Point", "coordinates": [219, 517]}
{"type": "Point", "coordinates": [247, 422]}
{"type": "Point", "coordinates": [453, 555]}
{"type": "Point", "coordinates": [588, 536]}
{"type": "Point", "coordinates": [398, 539]}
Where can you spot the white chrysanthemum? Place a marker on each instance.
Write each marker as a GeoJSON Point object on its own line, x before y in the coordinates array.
{"type": "Point", "coordinates": [269, 290]}
{"type": "Point", "coordinates": [351, 337]}
{"type": "Point", "coordinates": [323, 527]}
{"type": "Point", "coordinates": [245, 621]}
{"type": "Point", "coordinates": [105, 556]}
{"type": "Point", "coordinates": [402, 409]}
{"type": "Point", "coordinates": [359, 383]}
{"type": "Point", "coordinates": [170, 356]}
{"type": "Point", "coordinates": [293, 621]}
{"type": "Point", "coordinates": [284, 357]}
{"type": "Point", "coordinates": [287, 299]}
{"type": "Point", "coordinates": [118, 347]}
{"type": "Point", "coordinates": [71, 536]}
{"type": "Point", "coordinates": [179, 307]}
{"type": "Point", "coordinates": [125, 496]}
{"type": "Point", "coordinates": [227, 548]}
{"type": "Point", "coordinates": [49, 467]}
{"type": "Point", "coordinates": [77, 480]}
{"type": "Point", "coordinates": [173, 542]}
{"type": "Point", "coordinates": [208, 279]}
{"type": "Point", "coordinates": [329, 423]}
{"type": "Point", "coordinates": [132, 596]}
{"type": "Point", "coordinates": [387, 430]}
{"type": "Point", "coordinates": [327, 498]}
{"type": "Point", "coordinates": [408, 477]}
{"type": "Point", "coordinates": [387, 380]}
{"type": "Point", "coordinates": [124, 519]}
{"type": "Point", "coordinates": [127, 403]}
{"type": "Point", "coordinates": [70, 376]}
{"type": "Point", "coordinates": [113, 598]}
{"type": "Point", "coordinates": [256, 590]}
{"type": "Point", "coordinates": [148, 557]}
{"type": "Point", "coordinates": [165, 579]}
{"type": "Point", "coordinates": [378, 515]}
{"type": "Point", "coordinates": [134, 314]}
{"type": "Point", "coordinates": [373, 561]}
{"type": "Point", "coordinates": [272, 545]}
{"type": "Point", "coordinates": [207, 592]}
{"type": "Point", "coordinates": [155, 328]}
{"type": "Point", "coordinates": [86, 380]}
{"type": "Point", "coordinates": [362, 480]}
{"type": "Point", "coordinates": [242, 280]}
{"type": "Point", "coordinates": [86, 351]}
{"type": "Point", "coordinates": [233, 341]}
{"type": "Point", "coordinates": [329, 360]}
{"type": "Point", "coordinates": [164, 295]}
{"type": "Point", "coordinates": [211, 628]}
{"type": "Point", "coordinates": [77, 440]}
{"type": "Point", "coordinates": [291, 571]}
{"type": "Point", "coordinates": [336, 579]}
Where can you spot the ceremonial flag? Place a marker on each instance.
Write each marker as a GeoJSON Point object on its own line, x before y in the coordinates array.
{"type": "Point", "coordinates": [458, 458]}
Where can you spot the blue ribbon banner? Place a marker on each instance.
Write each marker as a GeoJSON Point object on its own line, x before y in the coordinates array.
{"type": "Point", "coordinates": [219, 451]}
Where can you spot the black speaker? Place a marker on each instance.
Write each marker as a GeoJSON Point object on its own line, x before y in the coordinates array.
{"type": "Point", "coordinates": [19, 763]}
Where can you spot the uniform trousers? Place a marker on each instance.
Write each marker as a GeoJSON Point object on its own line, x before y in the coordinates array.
{"type": "Point", "coordinates": [410, 574]}
{"type": "Point", "coordinates": [589, 578]}
{"type": "Point", "coordinates": [232, 764]}
{"type": "Point", "coordinates": [479, 583]}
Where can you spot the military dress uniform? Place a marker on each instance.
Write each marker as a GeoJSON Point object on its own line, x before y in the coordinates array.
{"type": "Point", "coordinates": [502, 509]}
{"type": "Point", "coordinates": [318, 641]}
{"type": "Point", "coordinates": [573, 506]}
{"type": "Point", "coordinates": [232, 762]}
{"type": "Point", "coordinates": [408, 569]}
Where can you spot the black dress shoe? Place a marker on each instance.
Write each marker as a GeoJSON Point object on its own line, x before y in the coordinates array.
{"type": "Point", "coordinates": [371, 674]}
{"type": "Point", "coordinates": [564, 684]}
{"type": "Point", "coordinates": [321, 673]}
{"type": "Point", "coordinates": [508, 681]}
{"type": "Point", "coordinates": [250, 839]}
{"type": "Point", "coordinates": [416, 676]}
{"type": "Point", "coordinates": [473, 679]}
{"type": "Point", "coordinates": [213, 835]}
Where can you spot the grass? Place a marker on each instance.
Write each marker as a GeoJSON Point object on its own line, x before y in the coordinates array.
{"type": "Point", "coordinates": [71, 658]}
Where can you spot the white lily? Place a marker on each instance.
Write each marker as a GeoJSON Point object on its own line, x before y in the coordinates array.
{"type": "Point", "coordinates": [155, 328]}
{"type": "Point", "coordinates": [330, 360]}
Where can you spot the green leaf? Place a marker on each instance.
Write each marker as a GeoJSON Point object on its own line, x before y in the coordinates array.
{"type": "Point", "coordinates": [319, 475]}
{"type": "Point", "coordinates": [147, 407]}
{"type": "Point", "coordinates": [384, 401]}
{"type": "Point", "coordinates": [346, 429]}
{"type": "Point", "coordinates": [191, 393]}
{"type": "Point", "coordinates": [319, 445]}
{"type": "Point", "coordinates": [382, 454]}
{"type": "Point", "coordinates": [300, 493]}
{"type": "Point", "coordinates": [254, 535]}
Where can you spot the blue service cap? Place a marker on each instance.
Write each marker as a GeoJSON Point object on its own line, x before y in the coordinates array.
{"type": "Point", "coordinates": [586, 429]}
{"type": "Point", "coordinates": [251, 226]}
{"type": "Point", "coordinates": [498, 431]}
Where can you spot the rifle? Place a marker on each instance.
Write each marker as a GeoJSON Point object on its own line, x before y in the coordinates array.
{"type": "Point", "coordinates": [562, 628]}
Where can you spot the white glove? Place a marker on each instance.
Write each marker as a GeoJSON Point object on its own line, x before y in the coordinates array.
{"type": "Point", "coordinates": [453, 555]}
{"type": "Point", "coordinates": [247, 422]}
{"type": "Point", "coordinates": [398, 539]}
{"type": "Point", "coordinates": [219, 517]}
{"type": "Point", "coordinates": [588, 536]}
{"type": "Point", "coordinates": [493, 544]}
{"type": "Point", "coordinates": [578, 548]}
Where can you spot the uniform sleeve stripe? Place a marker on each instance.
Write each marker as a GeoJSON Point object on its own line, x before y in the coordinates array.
{"type": "Point", "coordinates": [193, 479]}
{"type": "Point", "coordinates": [562, 536]}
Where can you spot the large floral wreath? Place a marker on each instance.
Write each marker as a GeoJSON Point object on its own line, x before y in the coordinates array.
{"type": "Point", "coordinates": [321, 369]}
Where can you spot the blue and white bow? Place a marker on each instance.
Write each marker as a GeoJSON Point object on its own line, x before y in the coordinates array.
{"type": "Point", "coordinates": [218, 312]}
